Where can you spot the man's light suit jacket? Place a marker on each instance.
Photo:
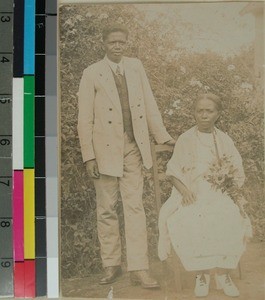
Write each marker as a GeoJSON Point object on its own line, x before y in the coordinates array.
{"type": "Point", "coordinates": [100, 123]}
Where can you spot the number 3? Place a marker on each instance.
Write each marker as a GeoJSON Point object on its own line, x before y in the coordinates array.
{"type": "Point", "coordinates": [5, 19]}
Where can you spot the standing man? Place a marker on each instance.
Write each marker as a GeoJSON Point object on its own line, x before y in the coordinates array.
{"type": "Point", "coordinates": [116, 111]}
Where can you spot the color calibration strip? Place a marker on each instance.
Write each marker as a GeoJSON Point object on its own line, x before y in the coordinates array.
{"type": "Point", "coordinates": [28, 149]}
{"type": "Point", "coordinates": [23, 154]}
{"type": "Point", "coordinates": [6, 219]}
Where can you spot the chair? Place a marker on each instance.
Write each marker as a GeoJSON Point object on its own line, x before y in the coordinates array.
{"type": "Point", "coordinates": [155, 149]}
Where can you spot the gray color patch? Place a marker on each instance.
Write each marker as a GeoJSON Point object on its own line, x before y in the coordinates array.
{"type": "Point", "coordinates": [51, 116]}
{"type": "Point", "coordinates": [51, 197]}
{"type": "Point", "coordinates": [51, 157]}
{"type": "Point", "coordinates": [51, 35]}
{"type": "Point", "coordinates": [51, 75]}
{"type": "Point", "coordinates": [51, 7]}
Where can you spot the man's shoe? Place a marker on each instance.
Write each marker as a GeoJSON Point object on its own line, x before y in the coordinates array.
{"type": "Point", "coordinates": [143, 278]}
{"type": "Point", "coordinates": [111, 274]}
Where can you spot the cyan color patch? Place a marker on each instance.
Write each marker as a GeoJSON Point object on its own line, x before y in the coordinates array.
{"type": "Point", "coordinates": [29, 37]}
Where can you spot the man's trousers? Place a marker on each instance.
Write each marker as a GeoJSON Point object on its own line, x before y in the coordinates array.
{"type": "Point", "coordinates": [129, 188]}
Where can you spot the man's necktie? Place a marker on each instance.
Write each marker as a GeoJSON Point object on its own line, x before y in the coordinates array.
{"type": "Point", "coordinates": [118, 73]}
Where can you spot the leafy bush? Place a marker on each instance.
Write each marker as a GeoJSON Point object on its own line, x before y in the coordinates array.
{"type": "Point", "coordinates": [176, 77]}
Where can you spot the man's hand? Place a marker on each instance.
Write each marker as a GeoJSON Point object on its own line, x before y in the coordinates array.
{"type": "Point", "coordinates": [188, 197]}
{"type": "Point", "coordinates": [171, 142]}
{"type": "Point", "coordinates": [92, 169]}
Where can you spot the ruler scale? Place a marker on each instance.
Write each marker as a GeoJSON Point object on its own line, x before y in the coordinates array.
{"type": "Point", "coordinates": [29, 210]}
{"type": "Point", "coordinates": [6, 181]}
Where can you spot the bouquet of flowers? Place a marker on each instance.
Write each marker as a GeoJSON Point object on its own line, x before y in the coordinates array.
{"type": "Point", "coordinates": [221, 175]}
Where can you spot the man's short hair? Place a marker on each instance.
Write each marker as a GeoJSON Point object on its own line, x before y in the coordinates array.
{"type": "Point", "coordinates": [114, 28]}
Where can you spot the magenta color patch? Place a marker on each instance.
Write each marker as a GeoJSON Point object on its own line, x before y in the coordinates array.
{"type": "Point", "coordinates": [18, 217]}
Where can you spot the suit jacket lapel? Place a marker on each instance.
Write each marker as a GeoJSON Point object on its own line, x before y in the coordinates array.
{"type": "Point", "coordinates": [131, 79]}
{"type": "Point", "coordinates": [107, 81]}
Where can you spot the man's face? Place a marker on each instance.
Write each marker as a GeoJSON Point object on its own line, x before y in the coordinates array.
{"type": "Point", "coordinates": [115, 45]}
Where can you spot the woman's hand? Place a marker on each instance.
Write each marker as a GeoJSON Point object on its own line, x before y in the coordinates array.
{"type": "Point", "coordinates": [188, 197]}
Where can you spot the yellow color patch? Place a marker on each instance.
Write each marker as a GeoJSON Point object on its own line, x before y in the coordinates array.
{"type": "Point", "coordinates": [29, 214]}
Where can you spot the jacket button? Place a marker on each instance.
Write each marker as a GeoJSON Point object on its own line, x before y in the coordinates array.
{"type": "Point", "coordinates": [110, 122]}
{"type": "Point", "coordinates": [139, 105]}
{"type": "Point", "coordinates": [110, 109]}
{"type": "Point", "coordinates": [141, 117]}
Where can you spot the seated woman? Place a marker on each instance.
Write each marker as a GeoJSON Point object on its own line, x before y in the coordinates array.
{"type": "Point", "coordinates": [206, 227]}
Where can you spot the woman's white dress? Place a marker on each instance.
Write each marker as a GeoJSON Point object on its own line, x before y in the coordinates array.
{"type": "Point", "coordinates": [209, 233]}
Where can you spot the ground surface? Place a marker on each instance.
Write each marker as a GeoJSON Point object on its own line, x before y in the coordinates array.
{"type": "Point", "coordinates": [251, 285]}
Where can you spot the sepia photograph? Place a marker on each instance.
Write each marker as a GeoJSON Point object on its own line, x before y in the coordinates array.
{"type": "Point", "coordinates": [161, 150]}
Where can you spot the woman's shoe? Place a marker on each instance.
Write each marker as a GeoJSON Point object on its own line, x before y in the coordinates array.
{"type": "Point", "coordinates": [202, 285]}
{"type": "Point", "coordinates": [225, 283]}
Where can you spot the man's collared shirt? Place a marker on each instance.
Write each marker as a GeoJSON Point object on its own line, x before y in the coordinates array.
{"type": "Point", "coordinates": [114, 66]}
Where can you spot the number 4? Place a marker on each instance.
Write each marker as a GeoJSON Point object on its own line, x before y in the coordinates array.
{"type": "Point", "coordinates": [4, 59]}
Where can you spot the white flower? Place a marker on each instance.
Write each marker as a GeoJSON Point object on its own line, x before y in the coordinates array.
{"type": "Point", "coordinates": [89, 15]}
{"type": "Point", "coordinates": [79, 18]}
{"type": "Point", "coordinates": [69, 22]}
{"type": "Point", "coordinates": [120, 20]}
{"type": "Point", "coordinates": [183, 70]}
{"type": "Point", "coordinates": [231, 68]}
{"type": "Point", "coordinates": [237, 77]}
{"type": "Point", "coordinates": [103, 16]}
{"type": "Point", "coordinates": [170, 112]}
{"type": "Point", "coordinates": [176, 103]}
{"type": "Point", "coordinates": [194, 82]}
{"type": "Point", "coordinates": [73, 31]}
{"type": "Point", "coordinates": [246, 86]}
{"type": "Point", "coordinates": [207, 88]}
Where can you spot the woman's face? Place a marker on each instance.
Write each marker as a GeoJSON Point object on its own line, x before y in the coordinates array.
{"type": "Point", "coordinates": [206, 114]}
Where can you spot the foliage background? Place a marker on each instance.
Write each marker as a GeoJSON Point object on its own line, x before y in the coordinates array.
{"type": "Point", "coordinates": [176, 76]}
